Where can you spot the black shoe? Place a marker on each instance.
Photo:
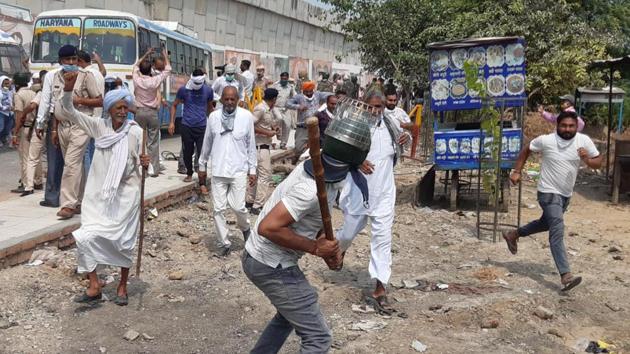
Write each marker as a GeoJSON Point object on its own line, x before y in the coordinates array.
{"type": "Point", "coordinates": [182, 171]}
{"type": "Point", "coordinates": [224, 252]}
{"type": "Point", "coordinates": [249, 205]}
{"type": "Point", "coordinates": [19, 189]}
{"type": "Point", "coordinates": [38, 187]}
{"type": "Point", "coordinates": [254, 211]}
{"type": "Point", "coordinates": [246, 234]}
{"type": "Point", "coordinates": [25, 193]}
{"type": "Point", "coordinates": [46, 203]}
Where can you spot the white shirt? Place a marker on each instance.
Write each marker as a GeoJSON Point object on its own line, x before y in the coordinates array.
{"type": "Point", "coordinates": [398, 115]}
{"type": "Point", "coordinates": [232, 154]}
{"type": "Point", "coordinates": [220, 83]}
{"type": "Point", "coordinates": [381, 183]}
{"type": "Point", "coordinates": [45, 107]}
{"type": "Point", "coordinates": [560, 161]}
{"type": "Point", "coordinates": [249, 76]}
{"type": "Point", "coordinates": [100, 80]}
{"type": "Point", "coordinates": [298, 194]}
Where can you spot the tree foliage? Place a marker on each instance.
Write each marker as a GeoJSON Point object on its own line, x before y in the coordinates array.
{"type": "Point", "coordinates": [562, 36]}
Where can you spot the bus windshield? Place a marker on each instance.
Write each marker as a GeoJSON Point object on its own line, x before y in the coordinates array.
{"type": "Point", "coordinates": [113, 39]}
{"type": "Point", "coordinates": [12, 59]}
{"type": "Point", "coordinates": [51, 33]}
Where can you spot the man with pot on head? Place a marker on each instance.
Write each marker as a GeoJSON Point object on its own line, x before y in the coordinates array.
{"type": "Point", "coordinates": [110, 215]}
{"type": "Point", "coordinates": [229, 144]}
{"type": "Point", "coordinates": [306, 104]}
{"type": "Point", "coordinates": [65, 133]}
{"type": "Point", "coordinates": [266, 119]}
{"type": "Point", "coordinates": [198, 100]}
{"type": "Point", "coordinates": [147, 101]}
{"type": "Point", "coordinates": [378, 168]}
{"type": "Point", "coordinates": [290, 225]}
{"type": "Point", "coordinates": [286, 91]}
{"type": "Point", "coordinates": [567, 103]}
{"type": "Point", "coordinates": [562, 152]}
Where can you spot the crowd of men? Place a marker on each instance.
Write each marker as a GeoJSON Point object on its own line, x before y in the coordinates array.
{"type": "Point", "coordinates": [92, 132]}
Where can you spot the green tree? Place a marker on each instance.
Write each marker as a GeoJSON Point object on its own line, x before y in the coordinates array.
{"type": "Point", "coordinates": [562, 36]}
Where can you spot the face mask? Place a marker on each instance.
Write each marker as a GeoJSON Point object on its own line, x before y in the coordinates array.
{"type": "Point", "coordinates": [69, 68]}
{"type": "Point", "coordinates": [229, 77]}
{"type": "Point", "coordinates": [284, 82]}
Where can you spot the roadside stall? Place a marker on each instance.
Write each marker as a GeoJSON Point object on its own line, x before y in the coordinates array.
{"type": "Point", "coordinates": [478, 135]}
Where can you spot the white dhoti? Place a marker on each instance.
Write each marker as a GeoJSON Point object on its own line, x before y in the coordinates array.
{"type": "Point", "coordinates": [380, 210]}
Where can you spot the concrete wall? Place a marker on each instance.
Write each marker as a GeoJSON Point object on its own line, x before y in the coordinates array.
{"type": "Point", "coordinates": [287, 27]}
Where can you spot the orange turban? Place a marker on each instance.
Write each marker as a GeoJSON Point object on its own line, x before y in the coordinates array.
{"type": "Point", "coordinates": [308, 86]}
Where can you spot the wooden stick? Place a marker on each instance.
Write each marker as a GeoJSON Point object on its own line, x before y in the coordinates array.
{"type": "Point", "coordinates": [141, 235]}
{"type": "Point", "coordinates": [318, 170]}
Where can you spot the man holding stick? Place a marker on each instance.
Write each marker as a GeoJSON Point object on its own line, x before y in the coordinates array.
{"type": "Point", "coordinates": [111, 205]}
{"type": "Point", "coordinates": [289, 225]}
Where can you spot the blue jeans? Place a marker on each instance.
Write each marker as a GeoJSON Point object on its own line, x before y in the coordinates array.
{"type": "Point", "coordinates": [89, 155]}
{"type": "Point", "coordinates": [55, 170]}
{"type": "Point", "coordinates": [296, 302]}
{"type": "Point", "coordinates": [553, 206]}
{"type": "Point", "coordinates": [7, 123]}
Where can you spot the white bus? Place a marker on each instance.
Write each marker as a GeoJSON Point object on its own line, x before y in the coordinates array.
{"type": "Point", "coordinates": [120, 39]}
{"type": "Point", "coordinates": [13, 58]}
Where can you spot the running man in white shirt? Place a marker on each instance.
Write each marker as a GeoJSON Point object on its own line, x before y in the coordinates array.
{"type": "Point", "coordinates": [229, 142]}
{"type": "Point", "coordinates": [561, 155]}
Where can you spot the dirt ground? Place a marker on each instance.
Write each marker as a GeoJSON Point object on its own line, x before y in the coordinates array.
{"type": "Point", "coordinates": [215, 309]}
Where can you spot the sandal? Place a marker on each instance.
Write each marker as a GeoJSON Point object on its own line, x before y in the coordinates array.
{"type": "Point", "coordinates": [121, 300]}
{"type": "Point", "coordinates": [85, 298]}
{"type": "Point", "coordinates": [571, 283]}
{"type": "Point", "coordinates": [380, 304]}
{"type": "Point", "coordinates": [511, 243]}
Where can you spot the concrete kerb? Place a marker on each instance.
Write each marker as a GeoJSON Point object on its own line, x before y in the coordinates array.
{"type": "Point", "coordinates": [18, 251]}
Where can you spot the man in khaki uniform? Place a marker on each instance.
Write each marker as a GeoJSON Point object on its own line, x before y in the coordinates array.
{"type": "Point", "coordinates": [266, 120]}
{"type": "Point", "coordinates": [36, 150]}
{"type": "Point", "coordinates": [72, 139]}
{"type": "Point", "coordinates": [23, 124]}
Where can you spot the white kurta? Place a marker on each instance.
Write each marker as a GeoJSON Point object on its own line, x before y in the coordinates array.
{"type": "Point", "coordinates": [104, 239]}
{"type": "Point", "coordinates": [381, 182]}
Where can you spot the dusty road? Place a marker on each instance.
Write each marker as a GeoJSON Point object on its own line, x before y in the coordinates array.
{"type": "Point", "coordinates": [214, 309]}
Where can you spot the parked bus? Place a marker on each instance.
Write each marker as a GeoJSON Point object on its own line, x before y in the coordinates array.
{"type": "Point", "coordinates": [120, 39]}
{"type": "Point", "coordinates": [13, 59]}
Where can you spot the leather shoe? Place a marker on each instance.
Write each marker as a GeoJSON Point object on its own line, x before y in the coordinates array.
{"type": "Point", "coordinates": [65, 213]}
{"type": "Point", "coordinates": [46, 203]}
{"type": "Point", "coordinates": [25, 193]}
{"type": "Point", "coordinates": [38, 186]}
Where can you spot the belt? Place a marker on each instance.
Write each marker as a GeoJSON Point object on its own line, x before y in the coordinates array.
{"type": "Point", "coordinates": [262, 146]}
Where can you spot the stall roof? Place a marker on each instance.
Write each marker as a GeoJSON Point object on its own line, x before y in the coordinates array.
{"type": "Point", "coordinates": [590, 95]}
{"type": "Point", "coordinates": [622, 63]}
{"type": "Point", "coordinates": [471, 42]}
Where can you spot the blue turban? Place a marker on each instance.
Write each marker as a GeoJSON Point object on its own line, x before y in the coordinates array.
{"type": "Point", "coordinates": [67, 51]}
{"type": "Point", "coordinates": [113, 96]}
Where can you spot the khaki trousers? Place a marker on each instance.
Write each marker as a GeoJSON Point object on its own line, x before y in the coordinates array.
{"type": "Point", "coordinates": [259, 193]}
{"type": "Point", "coordinates": [147, 118]}
{"type": "Point", "coordinates": [73, 141]}
{"type": "Point", "coordinates": [30, 156]}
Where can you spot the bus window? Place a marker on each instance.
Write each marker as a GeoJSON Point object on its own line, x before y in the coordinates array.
{"type": "Point", "coordinates": [11, 59]}
{"type": "Point", "coordinates": [143, 41]}
{"type": "Point", "coordinates": [153, 38]}
{"type": "Point", "coordinates": [50, 34]}
{"type": "Point", "coordinates": [180, 58]}
{"type": "Point", "coordinates": [188, 59]}
{"type": "Point", "coordinates": [170, 47]}
{"type": "Point", "coordinates": [113, 39]}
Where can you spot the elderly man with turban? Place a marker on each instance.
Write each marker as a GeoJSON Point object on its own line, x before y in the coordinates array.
{"type": "Point", "coordinates": [306, 104]}
{"type": "Point", "coordinates": [111, 205]}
